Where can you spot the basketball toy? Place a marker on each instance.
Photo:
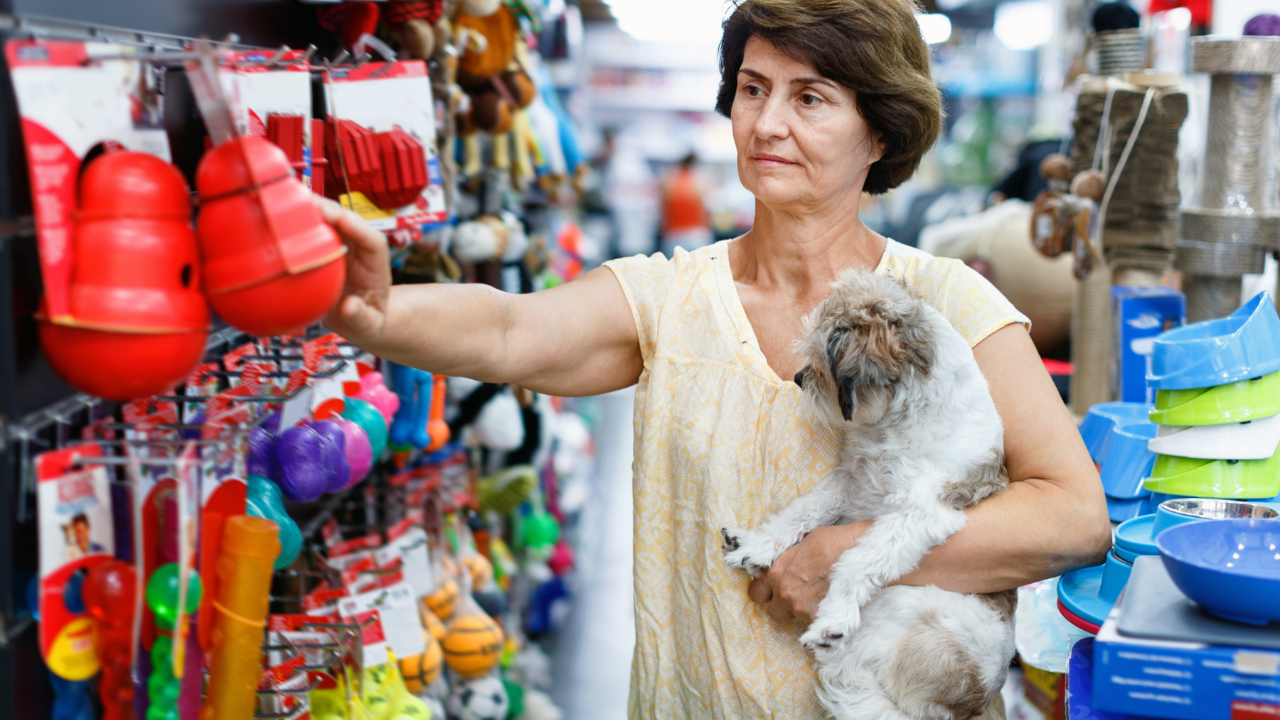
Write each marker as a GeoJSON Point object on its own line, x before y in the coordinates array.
{"type": "Point", "coordinates": [473, 645]}
{"type": "Point", "coordinates": [421, 670]}
{"type": "Point", "coordinates": [442, 601]}
{"type": "Point", "coordinates": [480, 569]}
{"type": "Point", "coordinates": [434, 626]}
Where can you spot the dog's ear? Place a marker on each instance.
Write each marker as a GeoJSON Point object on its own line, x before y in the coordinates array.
{"type": "Point", "coordinates": [835, 349]}
{"type": "Point", "coordinates": [917, 341]}
{"type": "Point", "coordinates": [847, 389]}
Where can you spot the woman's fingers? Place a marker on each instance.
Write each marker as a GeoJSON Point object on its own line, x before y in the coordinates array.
{"type": "Point", "coordinates": [760, 591]}
{"type": "Point", "coordinates": [361, 313]}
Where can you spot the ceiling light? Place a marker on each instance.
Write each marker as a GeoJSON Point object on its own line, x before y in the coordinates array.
{"type": "Point", "coordinates": [670, 20]}
{"type": "Point", "coordinates": [1024, 24]}
{"type": "Point", "coordinates": [935, 27]}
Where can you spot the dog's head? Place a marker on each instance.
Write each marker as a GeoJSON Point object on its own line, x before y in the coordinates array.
{"type": "Point", "coordinates": [859, 344]}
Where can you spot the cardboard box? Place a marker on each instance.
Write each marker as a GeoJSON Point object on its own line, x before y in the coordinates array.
{"type": "Point", "coordinates": [1140, 314]}
{"type": "Point", "coordinates": [1183, 681]}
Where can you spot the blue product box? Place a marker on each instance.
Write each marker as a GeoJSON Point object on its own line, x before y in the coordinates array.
{"type": "Point", "coordinates": [1183, 681]}
{"type": "Point", "coordinates": [1140, 314]}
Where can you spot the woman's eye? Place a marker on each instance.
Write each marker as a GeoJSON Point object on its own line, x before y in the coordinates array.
{"type": "Point", "coordinates": [810, 100]}
{"type": "Point", "coordinates": [752, 90]}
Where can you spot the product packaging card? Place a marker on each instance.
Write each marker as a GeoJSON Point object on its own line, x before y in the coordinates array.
{"type": "Point", "coordinates": [1140, 314]}
{"type": "Point", "coordinates": [381, 97]}
{"type": "Point", "coordinates": [74, 97]}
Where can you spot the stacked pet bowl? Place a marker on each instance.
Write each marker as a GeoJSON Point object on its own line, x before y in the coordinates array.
{"type": "Point", "coordinates": [1217, 387]}
{"type": "Point", "coordinates": [1116, 435]}
{"type": "Point", "coordinates": [1213, 435]}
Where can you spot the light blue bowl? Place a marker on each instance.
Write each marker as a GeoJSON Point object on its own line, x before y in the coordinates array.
{"type": "Point", "coordinates": [1128, 461]}
{"type": "Point", "coordinates": [1133, 538]}
{"type": "Point", "coordinates": [1230, 567]}
{"type": "Point", "coordinates": [1090, 593]}
{"type": "Point", "coordinates": [1243, 345]}
{"type": "Point", "coordinates": [1124, 510]}
{"type": "Point", "coordinates": [1096, 426]}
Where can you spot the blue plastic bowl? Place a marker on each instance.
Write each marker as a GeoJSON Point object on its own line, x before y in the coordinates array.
{"type": "Point", "coordinates": [1230, 567]}
{"type": "Point", "coordinates": [1097, 424]}
{"type": "Point", "coordinates": [1124, 510]}
{"type": "Point", "coordinates": [1090, 593]}
{"type": "Point", "coordinates": [1128, 460]}
{"type": "Point", "coordinates": [1243, 345]}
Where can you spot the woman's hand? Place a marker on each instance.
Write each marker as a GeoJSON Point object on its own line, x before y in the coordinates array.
{"type": "Point", "coordinates": [360, 315]}
{"type": "Point", "coordinates": [797, 581]}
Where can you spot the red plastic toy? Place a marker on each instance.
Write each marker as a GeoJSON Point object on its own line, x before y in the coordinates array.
{"type": "Point", "coordinates": [272, 265]}
{"type": "Point", "coordinates": [138, 320]}
{"type": "Point", "coordinates": [110, 590]}
{"type": "Point", "coordinates": [404, 169]}
{"type": "Point", "coordinates": [355, 161]}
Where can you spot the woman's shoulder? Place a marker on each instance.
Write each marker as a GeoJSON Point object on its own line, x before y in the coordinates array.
{"type": "Point", "coordinates": [659, 272]}
{"type": "Point", "coordinates": [968, 300]}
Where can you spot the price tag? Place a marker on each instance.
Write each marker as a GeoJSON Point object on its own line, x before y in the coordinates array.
{"type": "Point", "coordinates": [397, 607]}
{"type": "Point", "coordinates": [415, 559]}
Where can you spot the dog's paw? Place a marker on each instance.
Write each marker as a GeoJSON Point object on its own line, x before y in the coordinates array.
{"type": "Point", "coordinates": [827, 639]}
{"type": "Point", "coordinates": [743, 552]}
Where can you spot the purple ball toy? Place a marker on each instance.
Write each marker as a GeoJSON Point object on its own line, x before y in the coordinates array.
{"type": "Point", "coordinates": [303, 476]}
{"type": "Point", "coordinates": [333, 455]}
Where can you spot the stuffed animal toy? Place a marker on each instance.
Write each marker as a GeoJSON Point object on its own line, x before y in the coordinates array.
{"type": "Point", "coordinates": [481, 240]}
{"type": "Point", "coordinates": [487, 71]}
{"type": "Point", "coordinates": [418, 25]}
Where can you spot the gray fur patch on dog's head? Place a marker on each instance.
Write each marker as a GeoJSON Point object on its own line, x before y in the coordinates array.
{"type": "Point", "coordinates": [859, 343]}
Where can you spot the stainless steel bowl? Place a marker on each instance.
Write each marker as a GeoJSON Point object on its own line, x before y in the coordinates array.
{"type": "Point", "coordinates": [1218, 509]}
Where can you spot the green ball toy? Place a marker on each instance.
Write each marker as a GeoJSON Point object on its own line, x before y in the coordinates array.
{"type": "Point", "coordinates": [162, 594]}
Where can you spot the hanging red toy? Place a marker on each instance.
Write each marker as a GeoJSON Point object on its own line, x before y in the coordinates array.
{"type": "Point", "coordinates": [138, 321]}
{"type": "Point", "coordinates": [404, 169]}
{"type": "Point", "coordinates": [272, 265]}
{"type": "Point", "coordinates": [355, 158]}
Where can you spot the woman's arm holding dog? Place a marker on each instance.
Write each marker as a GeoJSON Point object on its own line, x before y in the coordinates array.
{"type": "Point", "coordinates": [1053, 517]}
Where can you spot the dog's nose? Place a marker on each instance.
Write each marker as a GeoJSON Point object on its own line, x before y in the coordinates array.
{"type": "Point", "coordinates": [799, 378]}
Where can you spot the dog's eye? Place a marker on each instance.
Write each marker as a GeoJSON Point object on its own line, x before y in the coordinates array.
{"type": "Point", "coordinates": [799, 378]}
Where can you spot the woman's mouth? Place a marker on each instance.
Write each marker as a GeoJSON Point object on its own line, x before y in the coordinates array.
{"type": "Point", "coordinates": [771, 160]}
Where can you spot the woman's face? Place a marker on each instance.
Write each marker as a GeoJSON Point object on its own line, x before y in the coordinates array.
{"type": "Point", "coordinates": [802, 144]}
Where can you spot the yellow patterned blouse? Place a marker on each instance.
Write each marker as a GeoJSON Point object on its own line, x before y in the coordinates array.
{"type": "Point", "coordinates": [719, 441]}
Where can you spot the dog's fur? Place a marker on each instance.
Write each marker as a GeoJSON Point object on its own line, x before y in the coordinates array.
{"type": "Point", "coordinates": [921, 441]}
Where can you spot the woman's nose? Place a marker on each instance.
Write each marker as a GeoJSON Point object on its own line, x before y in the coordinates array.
{"type": "Point", "coordinates": [772, 120]}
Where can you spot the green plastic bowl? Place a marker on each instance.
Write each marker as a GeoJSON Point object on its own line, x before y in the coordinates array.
{"type": "Point", "coordinates": [1232, 479]}
{"type": "Point", "coordinates": [1237, 402]}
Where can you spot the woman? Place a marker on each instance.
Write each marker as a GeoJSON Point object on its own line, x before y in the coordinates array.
{"type": "Point", "coordinates": [828, 98]}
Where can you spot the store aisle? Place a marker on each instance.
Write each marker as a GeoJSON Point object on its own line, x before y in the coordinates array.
{"type": "Point", "coordinates": [592, 656]}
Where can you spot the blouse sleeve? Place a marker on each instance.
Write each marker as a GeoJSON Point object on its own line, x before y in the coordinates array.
{"type": "Point", "coordinates": [972, 304]}
{"type": "Point", "coordinates": [646, 282]}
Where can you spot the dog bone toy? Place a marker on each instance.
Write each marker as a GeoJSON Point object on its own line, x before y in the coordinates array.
{"type": "Point", "coordinates": [410, 425]}
{"type": "Point", "coordinates": [374, 390]}
{"type": "Point", "coordinates": [265, 501]}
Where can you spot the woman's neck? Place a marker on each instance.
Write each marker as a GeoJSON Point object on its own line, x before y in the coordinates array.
{"type": "Point", "coordinates": [798, 254]}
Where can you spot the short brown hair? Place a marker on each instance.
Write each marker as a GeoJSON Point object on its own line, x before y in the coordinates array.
{"type": "Point", "coordinates": [872, 47]}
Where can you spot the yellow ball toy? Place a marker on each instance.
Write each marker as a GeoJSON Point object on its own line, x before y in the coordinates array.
{"type": "Point", "coordinates": [421, 670]}
{"type": "Point", "coordinates": [473, 645]}
{"type": "Point", "coordinates": [443, 599]}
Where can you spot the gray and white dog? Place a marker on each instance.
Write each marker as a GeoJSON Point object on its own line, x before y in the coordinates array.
{"type": "Point", "coordinates": [921, 441]}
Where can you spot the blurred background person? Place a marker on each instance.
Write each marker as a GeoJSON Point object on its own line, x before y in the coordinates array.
{"type": "Point", "coordinates": [684, 214]}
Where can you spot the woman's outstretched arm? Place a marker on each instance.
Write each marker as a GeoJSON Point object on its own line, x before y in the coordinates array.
{"type": "Point", "coordinates": [1053, 517]}
{"type": "Point", "coordinates": [577, 339]}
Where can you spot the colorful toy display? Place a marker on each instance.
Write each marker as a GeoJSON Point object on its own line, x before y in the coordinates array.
{"type": "Point", "coordinates": [180, 575]}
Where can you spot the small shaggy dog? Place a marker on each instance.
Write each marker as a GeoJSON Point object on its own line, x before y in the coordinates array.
{"type": "Point", "coordinates": [921, 442]}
